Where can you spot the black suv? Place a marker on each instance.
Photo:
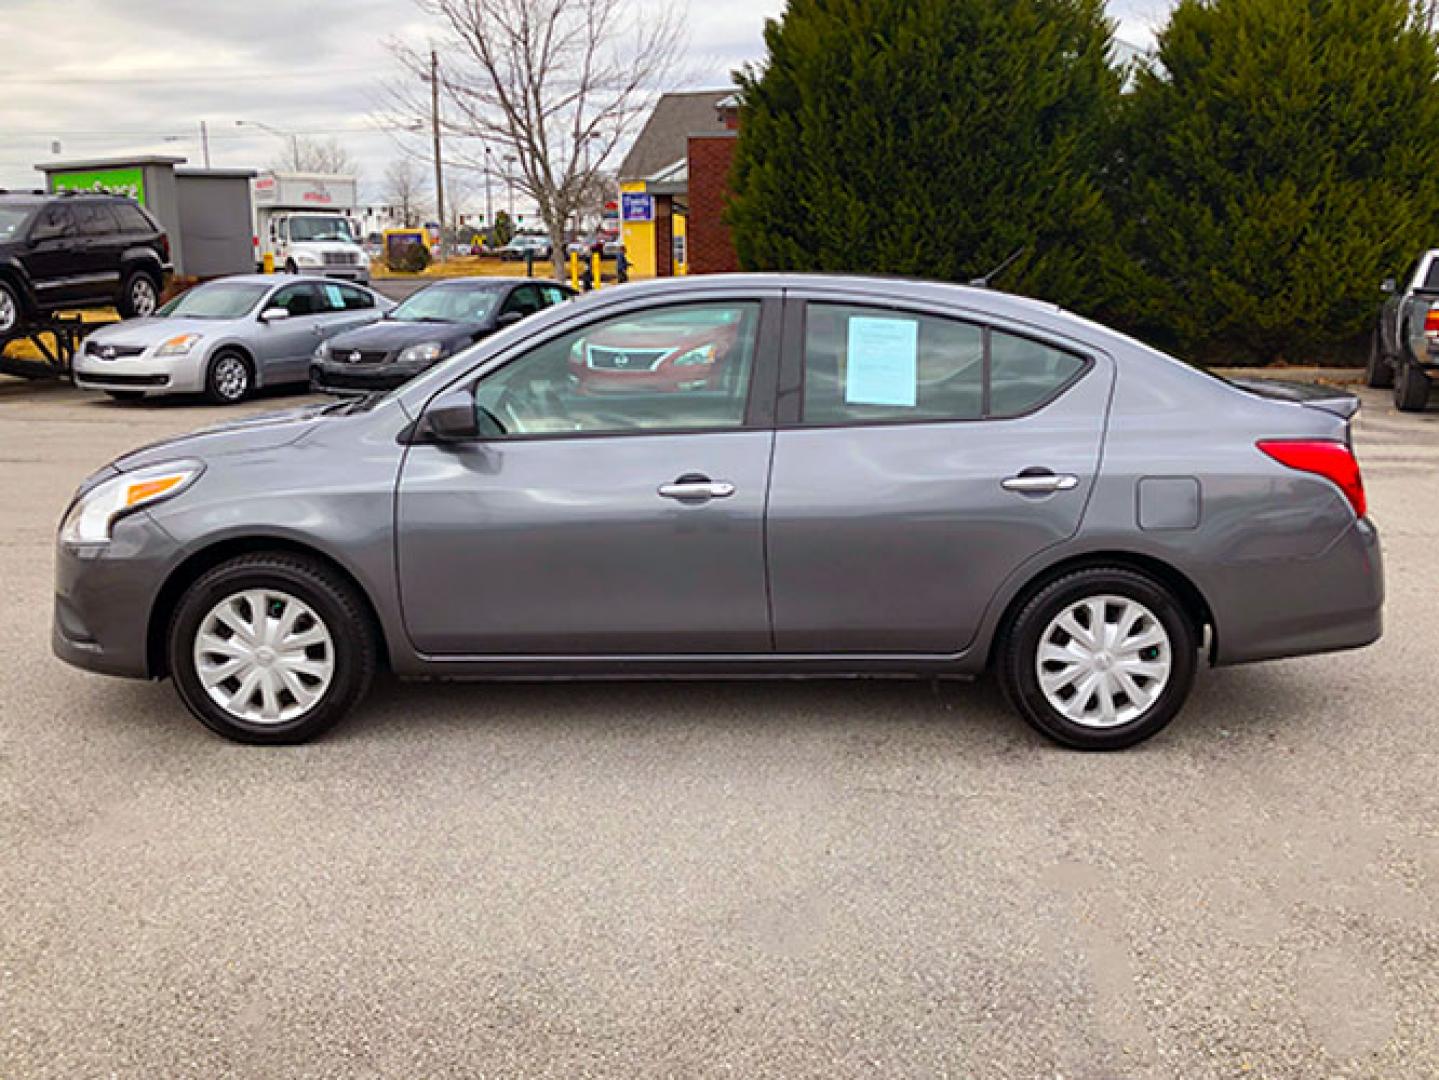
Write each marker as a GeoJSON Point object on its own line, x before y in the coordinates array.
{"type": "Point", "coordinates": [71, 251]}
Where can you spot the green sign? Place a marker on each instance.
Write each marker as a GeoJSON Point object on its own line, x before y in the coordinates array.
{"type": "Point", "coordinates": [129, 182]}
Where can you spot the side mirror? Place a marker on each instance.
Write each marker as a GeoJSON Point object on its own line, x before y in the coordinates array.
{"type": "Point", "coordinates": [1389, 285]}
{"type": "Point", "coordinates": [508, 318]}
{"type": "Point", "coordinates": [274, 314]}
{"type": "Point", "coordinates": [452, 418]}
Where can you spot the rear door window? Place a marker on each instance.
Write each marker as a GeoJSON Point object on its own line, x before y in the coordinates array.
{"type": "Point", "coordinates": [94, 219]}
{"type": "Point", "coordinates": [864, 364]}
{"type": "Point", "coordinates": [878, 365]}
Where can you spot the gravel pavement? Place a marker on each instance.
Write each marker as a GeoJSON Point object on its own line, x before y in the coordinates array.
{"type": "Point", "coordinates": [696, 879]}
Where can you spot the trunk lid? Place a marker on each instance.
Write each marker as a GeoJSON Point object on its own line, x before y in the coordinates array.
{"type": "Point", "coordinates": [1341, 403]}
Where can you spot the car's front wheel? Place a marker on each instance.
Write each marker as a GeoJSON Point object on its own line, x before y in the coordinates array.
{"type": "Point", "coordinates": [229, 379]}
{"type": "Point", "coordinates": [1099, 659]}
{"type": "Point", "coordinates": [1378, 371]}
{"type": "Point", "coordinates": [271, 648]}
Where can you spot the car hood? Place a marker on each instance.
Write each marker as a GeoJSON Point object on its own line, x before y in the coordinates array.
{"type": "Point", "coordinates": [152, 331]}
{"type": "Point", "coordinates": [264, 432]}
{"type": "Point", "coordinates": [390, 335]}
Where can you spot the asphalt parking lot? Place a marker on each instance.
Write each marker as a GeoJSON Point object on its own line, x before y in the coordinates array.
{"type": "Point", "coordinates": [696, 879]}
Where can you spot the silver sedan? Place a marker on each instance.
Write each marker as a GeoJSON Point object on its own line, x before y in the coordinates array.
{"type": "Point", "coordinates": [226, 338]}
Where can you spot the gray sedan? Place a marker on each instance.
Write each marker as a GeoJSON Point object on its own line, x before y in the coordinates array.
{"type": "Point", "coordinates": [225, 338]}
{"type": "Point", "coordinates": [740, 476]}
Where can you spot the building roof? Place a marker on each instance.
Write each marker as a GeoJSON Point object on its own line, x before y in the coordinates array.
{"type": "Point", "coordinates": [109, 163]}
{"type": "Point", "coordinates": [676, 117]}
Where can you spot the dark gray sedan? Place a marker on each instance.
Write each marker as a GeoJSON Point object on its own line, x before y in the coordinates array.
{"type": "Point", "coordinates": [434, 323]}
{"type": "Point", "coordinates": [740, 476]}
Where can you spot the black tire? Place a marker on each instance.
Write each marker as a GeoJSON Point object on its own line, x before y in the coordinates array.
{"type": "Point", "coordinates": [1378, 372]}
{"type": "Point", "coordinates": [353, 638]}
{"type": "Point", "coordinates": [125, 395]}
{"type": "Point", "coordinates": [1411, 388]}
{"type": "Point", "coordinates": [12, 312]}
{"type": "Point", "coordinates": [230, 378]}
{"type": "Point", "coordinates": [1018, 657]}
{"type": "Point", "coordinates": [139, 295]}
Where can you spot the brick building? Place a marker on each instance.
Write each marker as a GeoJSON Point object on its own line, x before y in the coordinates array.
{"type": "Point", "coordinates": [673, 185]}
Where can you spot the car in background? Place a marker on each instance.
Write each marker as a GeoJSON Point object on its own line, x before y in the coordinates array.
{"type": "Point", "coordinates": [521, 246]}
{"type": "Point", "coordinates": [69, 250]}
{"type": "Point", "coordinates": [225, 338]}
{"type": "Point", "coordinates": [691, 350]}
{"type": "Point", "coordinates": [922, 480]}
{"type": "Point", "coordinates": [432, 324]}
{"type": "Point", "coordinates": [1404, 348]}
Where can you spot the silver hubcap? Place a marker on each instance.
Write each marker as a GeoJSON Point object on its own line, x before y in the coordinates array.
{"type": "Point", "coordinates": [231, 378]}
{"type": "Point", "coordinates": [8, 314]}
{"type": "Point", "coordinates": [1103, 661]}
{"type": "Point", "coordinates": [264, 656]}
{"type": "Point", "coordinates": [142, 297]}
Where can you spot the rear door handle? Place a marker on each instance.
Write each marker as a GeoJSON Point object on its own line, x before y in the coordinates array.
{"type": "Point", "coordinates": [696, 489]}
{"type": "Point", "coordinates": [1040, 483]}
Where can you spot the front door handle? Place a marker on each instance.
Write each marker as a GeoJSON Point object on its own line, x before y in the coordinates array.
{"type": "Point", "coordinates": [694, 488]}
{"type": "Point", "coordinates": [1038, 483]}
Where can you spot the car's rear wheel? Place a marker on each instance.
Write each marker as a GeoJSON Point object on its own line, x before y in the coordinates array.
{"type": "Point", "coordinates": [1099, 659]}
{"type": "Point", "coordinates": [271, 648]}
{"type": "Point", "coordinates": [10, 311]}
{"type": "Point", "coordinates": [139, 295]}
{"type": "Point", "coordinates": [1411, 389]}
{"type": "Point", "coordinates": [1378, 372]}
{"type": "Point", "coordinates": [229, 379]}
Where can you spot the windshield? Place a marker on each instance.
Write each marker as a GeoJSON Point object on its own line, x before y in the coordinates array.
{"type": "Point", "coordinates": [11, 219]}
{"type": "Point", "coordinates": [449, 303]}
{"type": "Point", "coordinates": [218, 300]}
{"type": "Point", "coordinates": [319, 227]}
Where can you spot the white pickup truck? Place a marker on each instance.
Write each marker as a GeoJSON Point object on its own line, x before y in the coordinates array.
{"type": "Point", "coordinates": [304, 221]}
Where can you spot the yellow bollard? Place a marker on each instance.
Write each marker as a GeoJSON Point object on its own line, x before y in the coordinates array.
{"type": "Point", "coordinates": [574, 271]}
{"type": "Point", "coordinates": [268, 262]}
{"type": "Point", "coordinates": [595, 269]}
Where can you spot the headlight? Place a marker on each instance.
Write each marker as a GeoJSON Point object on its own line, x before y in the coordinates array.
{"type": "Point", "coordinates": [178, 346]}
{"type": "Point", "coordinates": [705, 354]}
{"type": "Point", "coordinates": [429, 350]}
{"type": "Point", "coordinates": [94, 513]}
{"type": "Point", "coordinates": [307, 258]}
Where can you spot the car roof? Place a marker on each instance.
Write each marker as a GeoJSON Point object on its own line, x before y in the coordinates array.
{"type": "Point", "coordinates": [277, 279]}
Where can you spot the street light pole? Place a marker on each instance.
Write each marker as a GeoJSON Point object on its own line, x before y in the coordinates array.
{"type": "Point", "coordinates": [292, 136]}
{"type": "Point", "coordinates": [435, 132]}
{"type": "Point", "coordinates": [489, 211]}
{"type": "Point", "coordinates": [510, 160]}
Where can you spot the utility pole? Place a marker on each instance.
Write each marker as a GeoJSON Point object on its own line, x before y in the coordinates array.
{"type": "Point", "coordinates": [205, 142]}
{"type": "Point", "coordinates": [489, 211]}
{"type": "Point", "coordinates": [435, 131]}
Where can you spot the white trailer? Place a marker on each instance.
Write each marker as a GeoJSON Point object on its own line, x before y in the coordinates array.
{"type": "Point", "coordinates": [306, 221]}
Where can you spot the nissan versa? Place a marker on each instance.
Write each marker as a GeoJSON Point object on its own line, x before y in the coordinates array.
{"type": "Point", "coordinates": [853, 477]}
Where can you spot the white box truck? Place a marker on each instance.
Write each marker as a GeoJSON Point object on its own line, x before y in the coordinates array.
{"type": "Point", "coordinates": [305, 220]}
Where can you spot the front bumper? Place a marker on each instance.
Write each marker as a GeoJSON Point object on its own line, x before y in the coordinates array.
{"type": "Point", "coordinates": [145, 374]}
{"type": "Point", "coordinates": [104, 597]}
{"type": "Point", "coordinates": [328, 375]}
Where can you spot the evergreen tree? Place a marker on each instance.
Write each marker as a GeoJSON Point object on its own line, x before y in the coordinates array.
{"type": "Point", "coordinates": [932, 138]}
{"type": "Point", "coordinates": [1280, 158]}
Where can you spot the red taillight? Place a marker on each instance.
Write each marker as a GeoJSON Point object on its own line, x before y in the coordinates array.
{"type": "Point", "coordinates": [1431, 324]}
{"type": "Point", "coordinates": [1331, 460]}
{"type": "Point", "coordinates": [165, 247]}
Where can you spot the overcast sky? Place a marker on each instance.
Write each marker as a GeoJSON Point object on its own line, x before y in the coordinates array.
{"type": "Point", "coordinates": [108, 77]}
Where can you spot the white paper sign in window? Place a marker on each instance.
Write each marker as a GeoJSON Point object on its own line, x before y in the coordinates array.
{"type": "Point", "coordinates": [883, 362]}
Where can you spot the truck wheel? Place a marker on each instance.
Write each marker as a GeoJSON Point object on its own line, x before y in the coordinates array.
{"type": "Point", "coordinates": [1411, 388]}
{"type": "Point", "coordinates": [10, 310]}
{"type": "Point", "coordinates": [139, 295]}
{"type": "Point", "coordinates": [1378, 372]}
{"type": "Point", "coordinates": [290, 267]}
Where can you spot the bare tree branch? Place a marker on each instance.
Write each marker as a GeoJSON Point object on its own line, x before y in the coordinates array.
{"type": "Point", "coordinates": [559, 85]}
{"type": "Point", "coordinates": [310, 155]}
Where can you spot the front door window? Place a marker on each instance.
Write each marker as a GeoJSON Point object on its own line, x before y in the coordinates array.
{"type": "Point", "coordinates": [681, 368]}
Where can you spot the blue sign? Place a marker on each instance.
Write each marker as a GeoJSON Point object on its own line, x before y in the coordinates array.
{"type": "Point", "coordinates": [637, 206]}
